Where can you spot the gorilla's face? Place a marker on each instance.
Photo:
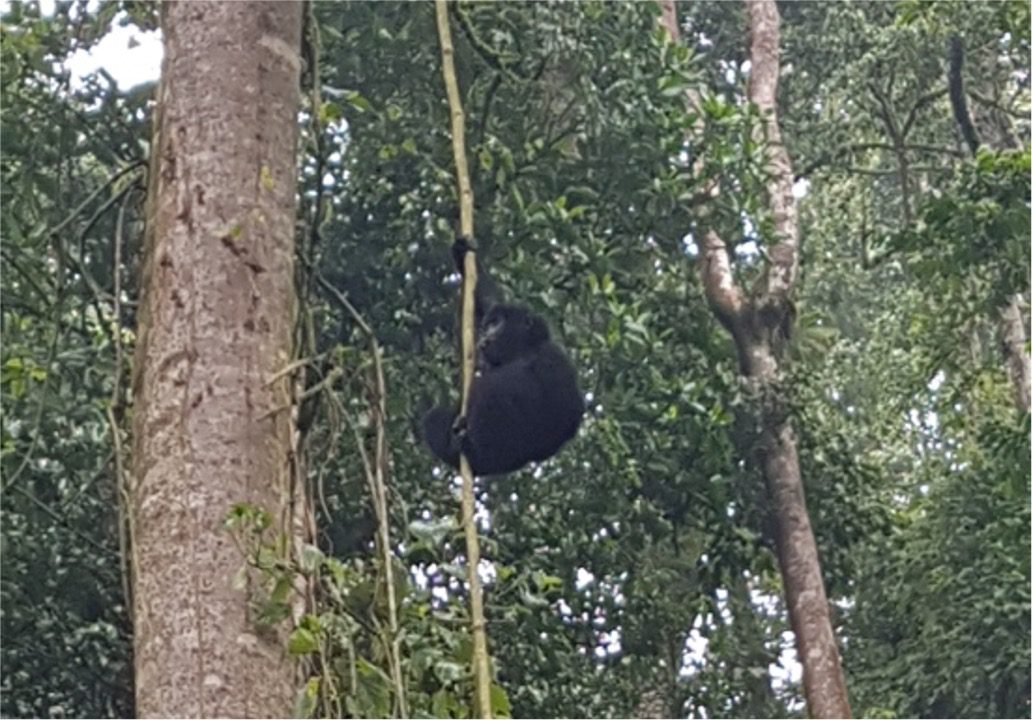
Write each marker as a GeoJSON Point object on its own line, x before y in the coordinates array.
{"type": "Point", "coordinates": [508, 332]}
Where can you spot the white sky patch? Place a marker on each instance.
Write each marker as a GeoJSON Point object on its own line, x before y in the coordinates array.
{"type": "Point", "coordinates": [584, 579]}
{"type": "Point", "coordinates": [487, 572]}
{"type": "Point", "coordinates": [695, 649]}
{"type": "Point", "coordinates": [936, 382]}
{"type": "Point", "coordinates": [610, 641]}
{"type": "Point", "coordinates": [690, 246]}
{"type": "Point", "coordinates": [129, 55]}
{"type": "Point", "coordinates": [748, 249]}
{"type": "Point", "coordinates": [787, 669]}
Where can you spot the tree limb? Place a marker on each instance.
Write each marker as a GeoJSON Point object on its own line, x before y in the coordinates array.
{"type": "Point", "coordinates": [957, 98]}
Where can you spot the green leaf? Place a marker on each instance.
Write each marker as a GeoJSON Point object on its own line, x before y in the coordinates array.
{"type": "Point", "coordinates": [306, 701]}
{"type": "Point", "coordinates": [357, 101]}
{"type": "Point", "coordinates": [302, 641]}
{"type": "Point", "coordinates": [500, 707]}
{"type": "Point", "coordinates": [282, 590]}
{"type": "Point", "coordinates": [445, 705]}
{"type": "Point", "coordinates": [372, 696]}
{"type": "Point", "coordinates": [311, 558]}
{"type": "Point", "coordinates": [448, 671]}
{"type": "Point", "coordinates": [272, 613]}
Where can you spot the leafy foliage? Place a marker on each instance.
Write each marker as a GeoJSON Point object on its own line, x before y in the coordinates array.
{"type": "Point", "coordinates": [636, 565]}
{"type": "Point", "coordinates": [69, 167]}
{"type": "Point", "coordinates": [931, 537]}
{"type": "Point", "coordinates": [953, 576]}
{"type": "Point", "coordinates": [981, 227]}
{"type": "Point", "coordinates": [580, 213]}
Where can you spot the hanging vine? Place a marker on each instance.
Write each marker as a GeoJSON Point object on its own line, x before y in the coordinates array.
{"type": "Point", "coordinates": [481, 668]}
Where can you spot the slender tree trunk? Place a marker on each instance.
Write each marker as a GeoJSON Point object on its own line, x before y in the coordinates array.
{"type": "Point", "coordinates": [759, 321]}
{"type": "Point", "coordinates": [823, 680]}
{"type": "Point", "coordinates": [212, 421]}
{"type": "Point", "coordinates": [808, 611]}
{"type": "Point", "coordinates": [1015, 350]}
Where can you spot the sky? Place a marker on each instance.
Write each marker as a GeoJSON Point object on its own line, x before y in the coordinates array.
{"type": "Point", "coordinates": [126, 53]}
{"type": "Point", "coordinates": [129, 55]}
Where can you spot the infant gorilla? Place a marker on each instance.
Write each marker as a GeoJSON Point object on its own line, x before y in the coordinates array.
{"type": "Point", "coordinates": [524, 403]}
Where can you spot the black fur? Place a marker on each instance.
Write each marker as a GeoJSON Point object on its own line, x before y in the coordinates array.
{"type": "Point", "coordinates": [524, 403]}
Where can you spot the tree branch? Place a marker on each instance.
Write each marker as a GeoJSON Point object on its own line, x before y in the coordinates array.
{"type": "Point", "coordinates": [957, 99]}
{"type": "Point", "coordinates": [779, 279]}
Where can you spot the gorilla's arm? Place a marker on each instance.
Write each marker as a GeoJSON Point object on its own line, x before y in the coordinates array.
{"type": "Point", "coordinates": [487, 293]}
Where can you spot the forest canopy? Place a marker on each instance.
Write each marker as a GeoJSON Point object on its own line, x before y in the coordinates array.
{"type": "Point", "coordinates": [872, 210]}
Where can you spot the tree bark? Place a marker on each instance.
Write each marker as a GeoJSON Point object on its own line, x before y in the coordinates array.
{"type": "Point", "coordinates": [212, 422]}
{"type": "Point", "coordinates": [760, 321]}
{"type": "Point", "coordinates": [668, 19]}
{"type": "Point", "coordinates": [1015, 350]}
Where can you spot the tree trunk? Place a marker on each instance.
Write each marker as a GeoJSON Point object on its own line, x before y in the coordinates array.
{"type": "Point", "coordinates": [1015, 350]}
{"type": "Point", "coordinates": [212, 421]}
{"type": "Point", "coordinates": [760, 321]}
{"type": "Point", "coordinates": [823, 681]}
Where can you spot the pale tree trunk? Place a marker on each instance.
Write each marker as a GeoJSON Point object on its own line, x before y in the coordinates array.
{"type": "Point", "coordinates": [759, 321]}
{"type": "Point", "coordinates": [1015, 350]}
{"type": "Point", "coordinates": [212, 421]}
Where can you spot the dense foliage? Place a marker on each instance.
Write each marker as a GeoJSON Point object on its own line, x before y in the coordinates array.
{"type": "Point", "coordinates": [71, 181]}
{"type": "Point", "coordinates": [634, 570]}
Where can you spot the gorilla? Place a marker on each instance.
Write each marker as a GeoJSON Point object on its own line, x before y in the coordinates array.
{"type": "Point", "coordinates": [524, 403]}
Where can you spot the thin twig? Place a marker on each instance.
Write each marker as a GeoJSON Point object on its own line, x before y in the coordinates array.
{"type": "Point", "coordinates": [114, 414]}
{"type": "Point", "coordinates": [51, 354]}
{"type": "Point", "coordinates": [25, 275]}
{"type": "Point", "coordinates": [56, 230]}
{"type": "Point", "coordinates": [376, 472]}
{"type": "Point", "coordinates": [65, 523]}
